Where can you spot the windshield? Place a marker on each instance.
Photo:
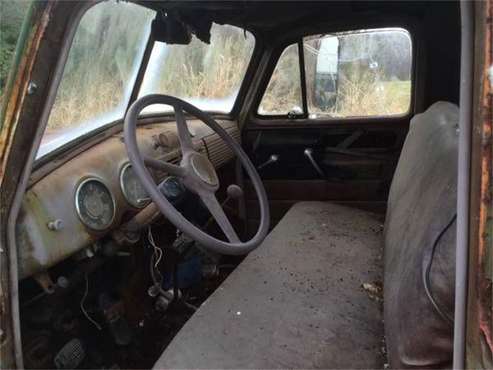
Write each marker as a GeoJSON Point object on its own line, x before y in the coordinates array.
{"type": "Point", "coordinates": [99, 73]}
{"type": "Point", "coordinates": [206, 75]}
{"type": "Point", "coordinates": [103, 63]}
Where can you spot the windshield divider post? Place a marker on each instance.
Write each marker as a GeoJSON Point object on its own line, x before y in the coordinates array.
{"type": "Point", "coordinates": [301, 54]}
{"type": "Point", "coordinates": [142, 69]}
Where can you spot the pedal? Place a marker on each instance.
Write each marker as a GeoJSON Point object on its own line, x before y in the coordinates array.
{"type": "Point", "coordinates": [71, 355]}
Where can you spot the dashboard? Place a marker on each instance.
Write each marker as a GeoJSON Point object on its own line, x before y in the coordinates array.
{"type": "Point", "coordinates": [73, 205]}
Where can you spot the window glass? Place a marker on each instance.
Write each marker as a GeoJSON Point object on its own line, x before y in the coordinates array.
{"type": "Point", "coordinates": [352, 74]}
{"type": "Point", "coordinates": [100, 71]}
{"type": "Point", "coordinates": [283, 94]}
{"type": "Point", "coordinates": [366, 73]}
{"type": "Point", "coordinates": [206, 75]}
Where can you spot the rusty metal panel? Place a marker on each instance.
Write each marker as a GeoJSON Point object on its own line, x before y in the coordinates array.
{"type": "Point", "coordinates": [52, 196]}
{"type": "Point", "coordinates": [480, 322]}
{"type": "Point", "coordinates": [16, 90]}
{"type": "Point", "coordinates": [18, 84]}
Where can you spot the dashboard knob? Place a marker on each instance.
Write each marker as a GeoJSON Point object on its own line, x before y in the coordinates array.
{"type": "Point", "coordinates": [234, 191]}
{"type": "Point", "coordinates": [166, 140]}
{"type": "Point", "coordinates": [55, 225]}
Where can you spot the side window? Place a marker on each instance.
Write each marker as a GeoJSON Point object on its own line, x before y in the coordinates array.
{"type": "Point", "coordinates": [364, 73]}
{"type": "Point", "coordinates": [283, 94]}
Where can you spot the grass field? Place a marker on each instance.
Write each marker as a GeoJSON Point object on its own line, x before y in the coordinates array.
{"type": "Point", "coordinates": [76, 105]}
{"type": "Point", "coordinates": [103, 59]}
{"type": "Point", "coordinates": [381, 98]}
{"type": "Point", "coordinates": [98, 73]}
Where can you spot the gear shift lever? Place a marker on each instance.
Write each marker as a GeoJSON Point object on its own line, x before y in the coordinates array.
{"type": "Point", "coordinates": [233, 192]}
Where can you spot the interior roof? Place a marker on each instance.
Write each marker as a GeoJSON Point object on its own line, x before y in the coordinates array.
{"type": "Point", "coordinates": [437, 24]}
{"type": "Point", "coordinates": [273, 15]}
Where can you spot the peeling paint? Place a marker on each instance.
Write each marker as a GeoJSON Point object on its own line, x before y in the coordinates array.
{"type": "Point", "coordinates": [480, 311]}
{"type": "Point", "coordinates": [19, 86]}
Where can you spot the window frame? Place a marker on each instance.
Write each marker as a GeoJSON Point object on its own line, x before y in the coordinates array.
{"type": "Point", "coordinates": [301, 66]}
{"type": "Point", "coordinates": [303, 120]}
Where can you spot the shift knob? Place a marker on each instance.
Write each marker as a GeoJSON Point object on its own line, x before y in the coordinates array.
{"type": "Point", "coordinates": [234, 191]}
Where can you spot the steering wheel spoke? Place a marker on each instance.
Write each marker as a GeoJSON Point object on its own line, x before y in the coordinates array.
{"type": "Point", "coordinates": [183, 133]}
{"type": "Point", "coordinates": [169, 168]}
{"type": "Point", "coordinates": [217, 212]}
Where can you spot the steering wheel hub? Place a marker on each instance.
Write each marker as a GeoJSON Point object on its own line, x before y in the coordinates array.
{"type": "Point", "coordinates": [204, 169]}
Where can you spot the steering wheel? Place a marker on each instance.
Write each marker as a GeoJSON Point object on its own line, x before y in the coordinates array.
{"type": "Point", "coordinates": [197, 174]}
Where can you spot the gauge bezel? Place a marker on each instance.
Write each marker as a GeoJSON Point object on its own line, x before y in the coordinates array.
{"type": "Point", "coordinates": [124, 192]}
{"type": "Point", "coordinates": [77, 208]}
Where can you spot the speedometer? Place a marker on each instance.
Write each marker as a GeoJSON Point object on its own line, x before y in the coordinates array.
{"type": "Point", "coordinates": [132, 188]}
{"type": "Point", "coordinates": [94, 204]}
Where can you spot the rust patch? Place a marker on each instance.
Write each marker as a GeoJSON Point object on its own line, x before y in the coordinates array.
{"type": "Point", "coordinates": [480, 311]}
{"type": "Point", "coordinates": [16, 93]}
{"type": "Point", "coordinates": [485, 252]}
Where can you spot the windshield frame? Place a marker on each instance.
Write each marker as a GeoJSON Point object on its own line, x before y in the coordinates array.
{"type": "Point", "coordinates": [116, 125]}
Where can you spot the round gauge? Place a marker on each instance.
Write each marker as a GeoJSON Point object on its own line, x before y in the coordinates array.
{"type": "Point", "coordinates": [172, 189]}
{"type": "Point", "coordinates": [94, 204]}
{"type": "Point", "coordinates": [132, 188]}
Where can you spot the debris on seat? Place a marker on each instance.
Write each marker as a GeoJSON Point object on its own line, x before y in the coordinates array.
{"type": "Point", "coordinates": [374, 290]}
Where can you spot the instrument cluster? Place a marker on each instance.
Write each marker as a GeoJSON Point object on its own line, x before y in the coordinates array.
{"type": "Point", "coordinates": [95, 204]}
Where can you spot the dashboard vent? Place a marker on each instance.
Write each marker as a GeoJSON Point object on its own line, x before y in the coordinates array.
{"type": "Point", "coordinates": [218, 151]}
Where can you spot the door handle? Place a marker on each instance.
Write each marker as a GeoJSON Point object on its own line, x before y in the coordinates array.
{"type": "Point", "coordinates": [272, 159]}
{"type": "Point", "coordinates": [309, 154]}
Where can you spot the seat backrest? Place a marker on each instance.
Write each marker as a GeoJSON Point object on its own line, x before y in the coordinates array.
{"type": "Point", "coordinates": [420, 243]}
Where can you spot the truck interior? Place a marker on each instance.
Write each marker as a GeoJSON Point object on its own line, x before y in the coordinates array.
{"type": "Point", "coordinates": [244, 185]}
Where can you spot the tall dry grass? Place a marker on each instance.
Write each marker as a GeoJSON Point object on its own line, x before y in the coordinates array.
{"type": "Point", "coordinates": [212, 71]}
{"type": "Point", "coordinates": [283, 93]}
{"type": "Point", "coordinates": [94, 82]}
{"type": "Point", "coordinates": [103, 58]}
{"type": "Point", "coordinates": [107, 49]}
{"type": "Point", "coordinates": [75, 105]}
{"type": "Point", "coordinates": [369, 96]}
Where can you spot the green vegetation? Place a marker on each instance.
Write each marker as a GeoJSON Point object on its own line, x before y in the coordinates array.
{"type": "Point", "coordinates": [12, 14]}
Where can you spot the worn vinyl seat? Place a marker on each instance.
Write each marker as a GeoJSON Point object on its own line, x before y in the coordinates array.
{"type": "Point", "coordinates": [295, 302]}
{"type": "Point", "coordinates": [298, 302]}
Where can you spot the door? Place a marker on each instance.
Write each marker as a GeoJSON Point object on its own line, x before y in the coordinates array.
{"type": "Point", "coordinates": [332, 120]}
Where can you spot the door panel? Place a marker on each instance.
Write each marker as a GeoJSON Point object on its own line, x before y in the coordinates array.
{"type": "Point", "coordinates": [355, 163]}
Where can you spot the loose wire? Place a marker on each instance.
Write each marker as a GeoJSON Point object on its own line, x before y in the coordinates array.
{"type": "Point", "coordinates": [82, 304]}
{"type": "Point", "coordinates": [158, 252]}
{"type": "Point", "coordinates": [426, 274]}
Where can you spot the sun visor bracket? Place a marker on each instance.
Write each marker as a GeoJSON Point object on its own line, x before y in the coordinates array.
{"type": "Point", "coordinates": [175, 28]}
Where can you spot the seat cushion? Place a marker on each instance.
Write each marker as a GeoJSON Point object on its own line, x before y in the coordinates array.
{"type": "Point", "coordinates": [297, 301]}
{"type": "Point", "coordinates": [420, 243]}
